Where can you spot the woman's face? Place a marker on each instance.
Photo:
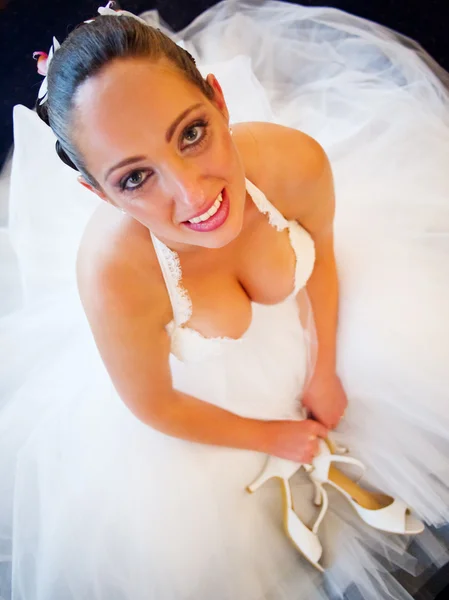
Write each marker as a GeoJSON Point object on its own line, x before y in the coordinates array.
{"type": "Point", "coordinates": [162, 151]}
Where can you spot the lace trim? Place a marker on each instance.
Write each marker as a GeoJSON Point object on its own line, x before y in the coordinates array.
{"type": "Point", "coordinates": [275, 218]}
{"type": "Point", "coordinates": [300, 240]}
{"type": "Point", "coordinates": [171, 268]}
{"type": "Point", "coordinates": [293, 239]}
{"type": "Point", "coordinates": [305, 258]}
{"type": "Point", "coordinates": [172, 271]}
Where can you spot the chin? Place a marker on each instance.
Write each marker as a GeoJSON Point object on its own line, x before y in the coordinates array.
{"type": "Point", "coordinates": [223, 236]}
{"type": "Point", "coordinates": [220, 241]}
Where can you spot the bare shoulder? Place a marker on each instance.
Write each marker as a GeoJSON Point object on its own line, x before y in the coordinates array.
{"type": "Point", "coordinates": [126, 303]}
{"type": "Point", "coordinates": [288, 165]}
{"type": "Point", "coordinates": [117, 269]}
{"type": "Point", "coordinates": [283, 150]}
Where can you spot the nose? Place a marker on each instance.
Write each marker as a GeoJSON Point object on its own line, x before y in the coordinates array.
{"type": "Point", "coordinates": [183, 183]}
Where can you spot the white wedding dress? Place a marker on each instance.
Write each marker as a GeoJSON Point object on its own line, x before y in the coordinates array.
{"type": "Point", "coordinates": [94, 504]}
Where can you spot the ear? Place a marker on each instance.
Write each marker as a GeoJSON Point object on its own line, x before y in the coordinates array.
{"type": "Point", "coordinates": [93, 189]}
{"type": "Point", "coordinates": [219, 99]}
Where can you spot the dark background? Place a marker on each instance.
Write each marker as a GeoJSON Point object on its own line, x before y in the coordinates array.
{"type": "Point", "coordinates": [26, 26]}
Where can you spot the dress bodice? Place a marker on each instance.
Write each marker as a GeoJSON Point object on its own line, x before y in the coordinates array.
{"type": "Point", "coordinates": [186, 342]}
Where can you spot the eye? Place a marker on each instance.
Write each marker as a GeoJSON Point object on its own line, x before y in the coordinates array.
{"type": "Point", "coordinates": [194, 134]}
{"type": "Point", "coordinates": [134, 180]}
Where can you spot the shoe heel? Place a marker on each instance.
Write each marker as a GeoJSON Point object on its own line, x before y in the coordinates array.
{"type": "Point", "coordinates": [318, 498]}
{"type": "Point", "coordinates": [259, 481]}
{"type": "Point", "coordinates": [269, 471]}
{"type": "Point", "coordinates": [274, 467]}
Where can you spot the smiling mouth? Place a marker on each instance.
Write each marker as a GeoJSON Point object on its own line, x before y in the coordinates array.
{"type": "Point", "coordinates": [213, 217]}
{"type": "Point", "coordinates": [205, 216]}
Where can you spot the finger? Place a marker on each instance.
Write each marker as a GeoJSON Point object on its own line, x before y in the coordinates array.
{"type": "Point", "coordinates": [315, 419]}
{"type": "Point", "coordinates": [310, 459]}
{"type": "Point", "coordinates": [307, 458]}
{"type": "Point", "coordinates": [314, 447]}
{"type": "Point", "coordinates": [320, 430]}
{"type": "Point", "coordinates": [337, 421]}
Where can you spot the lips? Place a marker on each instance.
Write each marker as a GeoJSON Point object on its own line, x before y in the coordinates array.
{"type": "Point", "coordinates": [213, 217]}
{"type": "Point", "coordinates": [205, 215]}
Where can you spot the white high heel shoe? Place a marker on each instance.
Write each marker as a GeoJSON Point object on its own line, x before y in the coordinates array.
{"type": "Point", "coordinates": [377, 510]}
{"type": "Point", "coordinates": [304, 539]}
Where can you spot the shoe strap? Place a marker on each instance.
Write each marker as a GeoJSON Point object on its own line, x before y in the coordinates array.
{"type": "Point", "coordinates": [322, 465]}
{"type": "Point", "coordinates": [324, 504]}
{"type": "Point", "coordinates": [324, 507]}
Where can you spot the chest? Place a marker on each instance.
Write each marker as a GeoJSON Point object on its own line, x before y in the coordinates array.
{"type": "Point", "coordinates": [258, 268]}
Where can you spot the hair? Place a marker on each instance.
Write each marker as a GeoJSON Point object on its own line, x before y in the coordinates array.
{"type": "Point", "coordinates": [88, 49]}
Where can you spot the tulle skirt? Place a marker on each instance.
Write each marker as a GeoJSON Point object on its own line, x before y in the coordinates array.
{"type": "Point", "coordinates": [95, 505]}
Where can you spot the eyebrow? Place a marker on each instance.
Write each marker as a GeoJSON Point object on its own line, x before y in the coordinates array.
{"type": "Point", "coordinates": [171, 130]}
{"type": "Point", "coordinates": [168, 136]}
{"type": "Point", "coordinates": [124, 163]}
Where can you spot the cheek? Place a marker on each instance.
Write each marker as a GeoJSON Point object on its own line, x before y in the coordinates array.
{"type": "Point", "coordinates": [223, 155]}
{"type": "Point", "coordinates": [155, 213]}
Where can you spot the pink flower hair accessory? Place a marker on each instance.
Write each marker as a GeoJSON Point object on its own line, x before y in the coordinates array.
{"type": "Point", "coordinates": [43, 59]}
{"type": "Point", "coordinates": [43, 63]}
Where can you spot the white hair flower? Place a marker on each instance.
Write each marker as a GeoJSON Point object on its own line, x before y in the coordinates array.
{"type": "Point", "coordinates": [43, 59]}
{"type": "Point", "coordinates": [43, 62]}
{"type": "Point", "coordinates": [108, 10]}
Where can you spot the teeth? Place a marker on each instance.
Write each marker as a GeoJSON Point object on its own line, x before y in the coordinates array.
{"type": "Point", "coordinates": [210, 213]}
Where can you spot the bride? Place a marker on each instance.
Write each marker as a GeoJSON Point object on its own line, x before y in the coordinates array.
{"type": "Point", "coordinates": [249, 288]}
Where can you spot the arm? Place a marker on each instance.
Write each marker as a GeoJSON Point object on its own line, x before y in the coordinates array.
{"type": "Point", "coordinates": [126, 303]}
{"type": "Point", "coordinates": [298, 176]}
{"type": "Point", "coordinates": [324, 396]}
{"type": "Point", "coordinates": [316, 214]}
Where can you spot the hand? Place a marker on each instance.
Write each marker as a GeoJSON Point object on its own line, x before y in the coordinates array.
{"type": "Point", "coordinates": [325, 399]}
{"type": "Point", "coordinates": [294, 440]}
